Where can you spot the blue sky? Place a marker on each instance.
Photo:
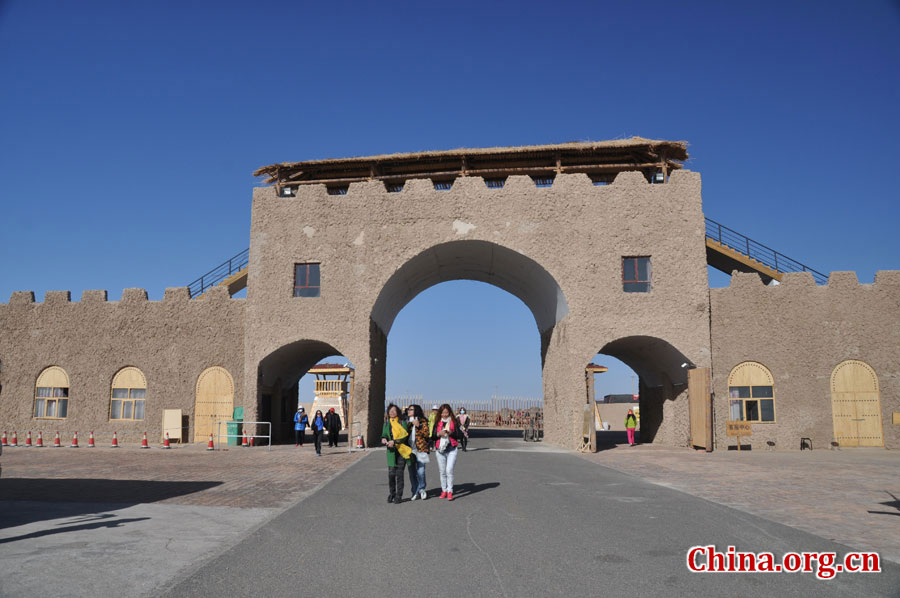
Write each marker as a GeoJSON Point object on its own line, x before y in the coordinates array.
{"type": "Point", "coordinates": [129, 132]}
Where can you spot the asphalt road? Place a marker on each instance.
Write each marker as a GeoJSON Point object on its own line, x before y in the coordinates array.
{"type": "Point", "coordinates": [524, 523]}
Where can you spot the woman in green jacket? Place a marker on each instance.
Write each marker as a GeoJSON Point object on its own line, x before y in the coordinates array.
{"type": "Point", "coordinates": [395, 436]}
{"type": "Point", "coordinates": [630, 425]}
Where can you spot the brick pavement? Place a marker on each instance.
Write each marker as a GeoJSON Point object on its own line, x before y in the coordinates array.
{"type": "Point", "coordinates": [851, 496]}
{"type": "Point", "coordinates": [185, 475]}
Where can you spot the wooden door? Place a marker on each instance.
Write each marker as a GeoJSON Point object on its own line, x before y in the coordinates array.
{"type": "Point", "coordinates": [855, 405]}
{"type": "Point", "coordinates": [698, 395]}
{"type": "Point", "coordinates": [214, 402]}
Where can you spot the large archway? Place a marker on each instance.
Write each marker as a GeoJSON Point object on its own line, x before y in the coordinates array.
{"type": "Point", "coordinates": [279, 374]}
{"type": "Point", "coordinates": [479, 261]}
{"type": "Point", "coordinates": [662, 372]}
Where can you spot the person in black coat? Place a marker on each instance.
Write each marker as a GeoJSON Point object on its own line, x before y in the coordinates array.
{"type": "Point", "coordinates": [333, 425]}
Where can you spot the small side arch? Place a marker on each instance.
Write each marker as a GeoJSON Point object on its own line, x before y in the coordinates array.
{"type": "Point", "coordinates": [856, 404]}
{"type": "Point", "coordinates": [214, 401]}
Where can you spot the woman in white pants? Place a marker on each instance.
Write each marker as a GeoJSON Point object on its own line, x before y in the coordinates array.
{"type": "Point", "coordinates": [446, 436]}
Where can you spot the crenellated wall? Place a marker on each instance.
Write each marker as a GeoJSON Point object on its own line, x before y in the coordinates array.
{"type": "Point", "coordinates": [171, 341]}
{"type": "Point", "coordinates": [800, 332]}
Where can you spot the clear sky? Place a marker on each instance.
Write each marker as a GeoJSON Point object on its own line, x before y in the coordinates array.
{"type": "Point", "coordinates": [129, 132]}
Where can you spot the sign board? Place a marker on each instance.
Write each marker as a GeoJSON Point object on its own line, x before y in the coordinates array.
{"type": "Point", "coordinates": [737, 428]}
{"type": "Point", "coordinates": [896, 418]}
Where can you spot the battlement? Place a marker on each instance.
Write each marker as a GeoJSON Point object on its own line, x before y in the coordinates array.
{"type": "Point", "coordinates": [512, 184]}
{"type": "Point", "coordinates": [130, 296]}
{"type": "Point", "coordinates": [838, 281]}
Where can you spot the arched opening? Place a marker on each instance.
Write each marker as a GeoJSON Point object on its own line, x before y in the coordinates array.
{"type": "Point", "coordinates": [285, 382]}
{"type": "Point", "coordinates": [613, 387]}
{"type": "Point", "coordinates": [472, 346]}
{"type": "Point", "coordinates": [478, 261]}
{"type": "Point", "coordinates": [662, 376]}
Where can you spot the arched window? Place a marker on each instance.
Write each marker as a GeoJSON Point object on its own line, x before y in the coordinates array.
{"type": "Point", "coordinates": [751, 393]}
{"type": "Point", "coordinates": [51, 394]}
{"type": "Point", "coordinates": [129, 391]}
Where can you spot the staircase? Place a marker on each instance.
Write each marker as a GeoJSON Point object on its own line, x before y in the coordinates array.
{"type": "Point", "coordinates": [231, 274]}
{"type": "Point", "coordinates": [728, 250]}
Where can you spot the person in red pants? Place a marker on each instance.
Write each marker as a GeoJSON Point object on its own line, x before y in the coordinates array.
{"type": "Point", "coordinates": [630, 425]}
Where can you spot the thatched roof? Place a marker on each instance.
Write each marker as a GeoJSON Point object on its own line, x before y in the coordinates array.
{"type": "Point", "coordinates": [598, 157]}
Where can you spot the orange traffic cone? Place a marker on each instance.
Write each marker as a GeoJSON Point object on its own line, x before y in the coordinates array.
{"type": "Point", "coordinates": [28, 438]}
{"type": "Point", "coordinates": [115, 441]}
{"type": "Point", "coordinates": [244, 442]}
{"type": "Point", "coordinates": [40, 440]}
{"type": "Point", "coordinates": [91, 441]}
{"type": "Point", "coordinates": [3, 441]}
{"type": "Point", "coordinates": [359, 442]}
{"type": "Point", "coordinates": [210, 446]}
{"type": "Point", "coordinates": [166, 442]}
{"type": "Point", "coordinates": [74, 441]}
{"type": "Point", "coordinates": [56, 443]}
{"type": "Point", "coordinates": [144, 443]}
{"type": "Point", "coordinates": [14, 441]}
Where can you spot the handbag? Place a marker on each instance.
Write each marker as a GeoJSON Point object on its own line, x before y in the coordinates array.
{"type": "Point", "coordinates": [422, 457]}
{"type": "Point", "coordinates": [444, 444]}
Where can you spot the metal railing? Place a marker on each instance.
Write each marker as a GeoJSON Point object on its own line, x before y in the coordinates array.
{"type": "Point", "coordinates": [757, 251]}
{"type": "Point", "coordinates": [220, 273]}
{"type": "Point", "coordinates": [220, 436]}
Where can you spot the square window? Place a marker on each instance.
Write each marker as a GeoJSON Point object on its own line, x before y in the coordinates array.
{"type": "Point", "coordinates": [120, 393]}
{"type": "Point", "coordinates": [40, 407]}
{"type": "Point", "coordinates": [307, 280]}
{"type": "Point", "coordinates": [139, 410]}
{"type": "Point", "coordinates": [736, 409]}
{"type": "Point", "coordinates": [636, 274]}
{"type": "Point", "coordinates": [762, 392]}
{"type": "Point", "coordinates": [115, 409]}
{"type": "Point", "coordinates": [126, 409]}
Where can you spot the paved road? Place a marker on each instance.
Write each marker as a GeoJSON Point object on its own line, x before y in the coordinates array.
{"type": "Point", "coordinates": [525, 523]}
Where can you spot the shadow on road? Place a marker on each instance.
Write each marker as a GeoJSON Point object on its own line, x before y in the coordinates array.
{"type": "Point", "coordinates": [75, 528]}
{"type": "Point", "coordinates": [463, 490]}
{"type": "Point", "coordinates": [40, 499]}
{"type": "Point", "coordinates": [894, 504]}
{"type": "Point", "coordinates": [610, 439]}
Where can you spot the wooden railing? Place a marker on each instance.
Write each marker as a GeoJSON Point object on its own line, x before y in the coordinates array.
{"type": "Point", "coordinates": [330, 388]}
